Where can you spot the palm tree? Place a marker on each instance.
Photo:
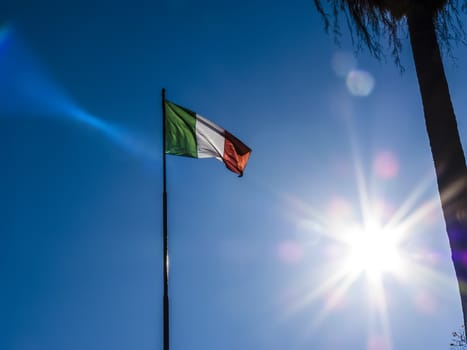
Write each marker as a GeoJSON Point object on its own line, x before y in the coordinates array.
{"type": "Point", "coordinates": [430, 22]}
{"type": "Point", "coordinates": [459, 341]}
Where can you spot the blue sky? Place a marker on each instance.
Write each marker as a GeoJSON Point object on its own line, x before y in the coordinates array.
{"type": "Point", "coordinates": [262, 262]}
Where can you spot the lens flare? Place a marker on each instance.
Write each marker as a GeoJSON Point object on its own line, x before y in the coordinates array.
{"type": "Point", "coordinates": [386, 164]}
{"type": "Point", "coordinates": [340, 208]}
{"type": "Point", "coordinates": [360, 83]}
{"type": "Point", "coordinates": [426, 303]}
{"type": "Point", "coordinates": [27, 90]}
{"type": "Point", "coordinates": [343, 62]}
{"type": "Point", "coordinates": [117, 134]}
{"type": "Point", "coordinates": [290, 252]}
{"type": "Point", "coordinates": [378, 342]}
{"type": "Point", "coordinates": [4, 34]}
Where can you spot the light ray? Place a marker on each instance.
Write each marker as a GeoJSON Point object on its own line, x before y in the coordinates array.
{"type": "Point", "coordinates": [27, 90]}
{"type": "Point", "coordinates": [418, 217]}
{"type": "Point", "coordinates": [378, 295]}
{"type": "Point", "coordinates": [4, 33]}
{"type": "Point", "coordinates": [325, 286]}
{"type": "Point", "coordinates": [410, 202]}
{"type": "Point", "coordinates": [345, 283]}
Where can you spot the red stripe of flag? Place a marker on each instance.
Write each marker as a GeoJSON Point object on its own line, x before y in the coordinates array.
{"type": "Point", "coordinates": [236, 154]}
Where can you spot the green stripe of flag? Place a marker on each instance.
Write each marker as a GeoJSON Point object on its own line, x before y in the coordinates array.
{"type": "Point", "coordinates": [180, 126]}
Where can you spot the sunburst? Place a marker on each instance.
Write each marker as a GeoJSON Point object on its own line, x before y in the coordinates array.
{"type": "Point", "coordinates": [372, 244]}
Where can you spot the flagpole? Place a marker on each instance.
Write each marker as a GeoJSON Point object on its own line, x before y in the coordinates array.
{"type": "Point", "coordinates": [165, 256]}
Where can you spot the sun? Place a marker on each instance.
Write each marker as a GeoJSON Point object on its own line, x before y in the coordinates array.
{"type": "Point", "coordinates": [373, 250]}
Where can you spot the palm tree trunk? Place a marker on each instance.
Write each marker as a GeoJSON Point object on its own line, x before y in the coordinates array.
{"type": "Point", "coordinates": [444, 138]}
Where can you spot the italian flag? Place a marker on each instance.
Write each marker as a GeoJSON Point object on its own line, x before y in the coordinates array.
{"type": "Point", "coordinates": [189, 134]}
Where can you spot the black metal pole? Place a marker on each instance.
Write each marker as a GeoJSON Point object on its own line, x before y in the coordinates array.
{"type": "Point", "coordinates": [165, 255]}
